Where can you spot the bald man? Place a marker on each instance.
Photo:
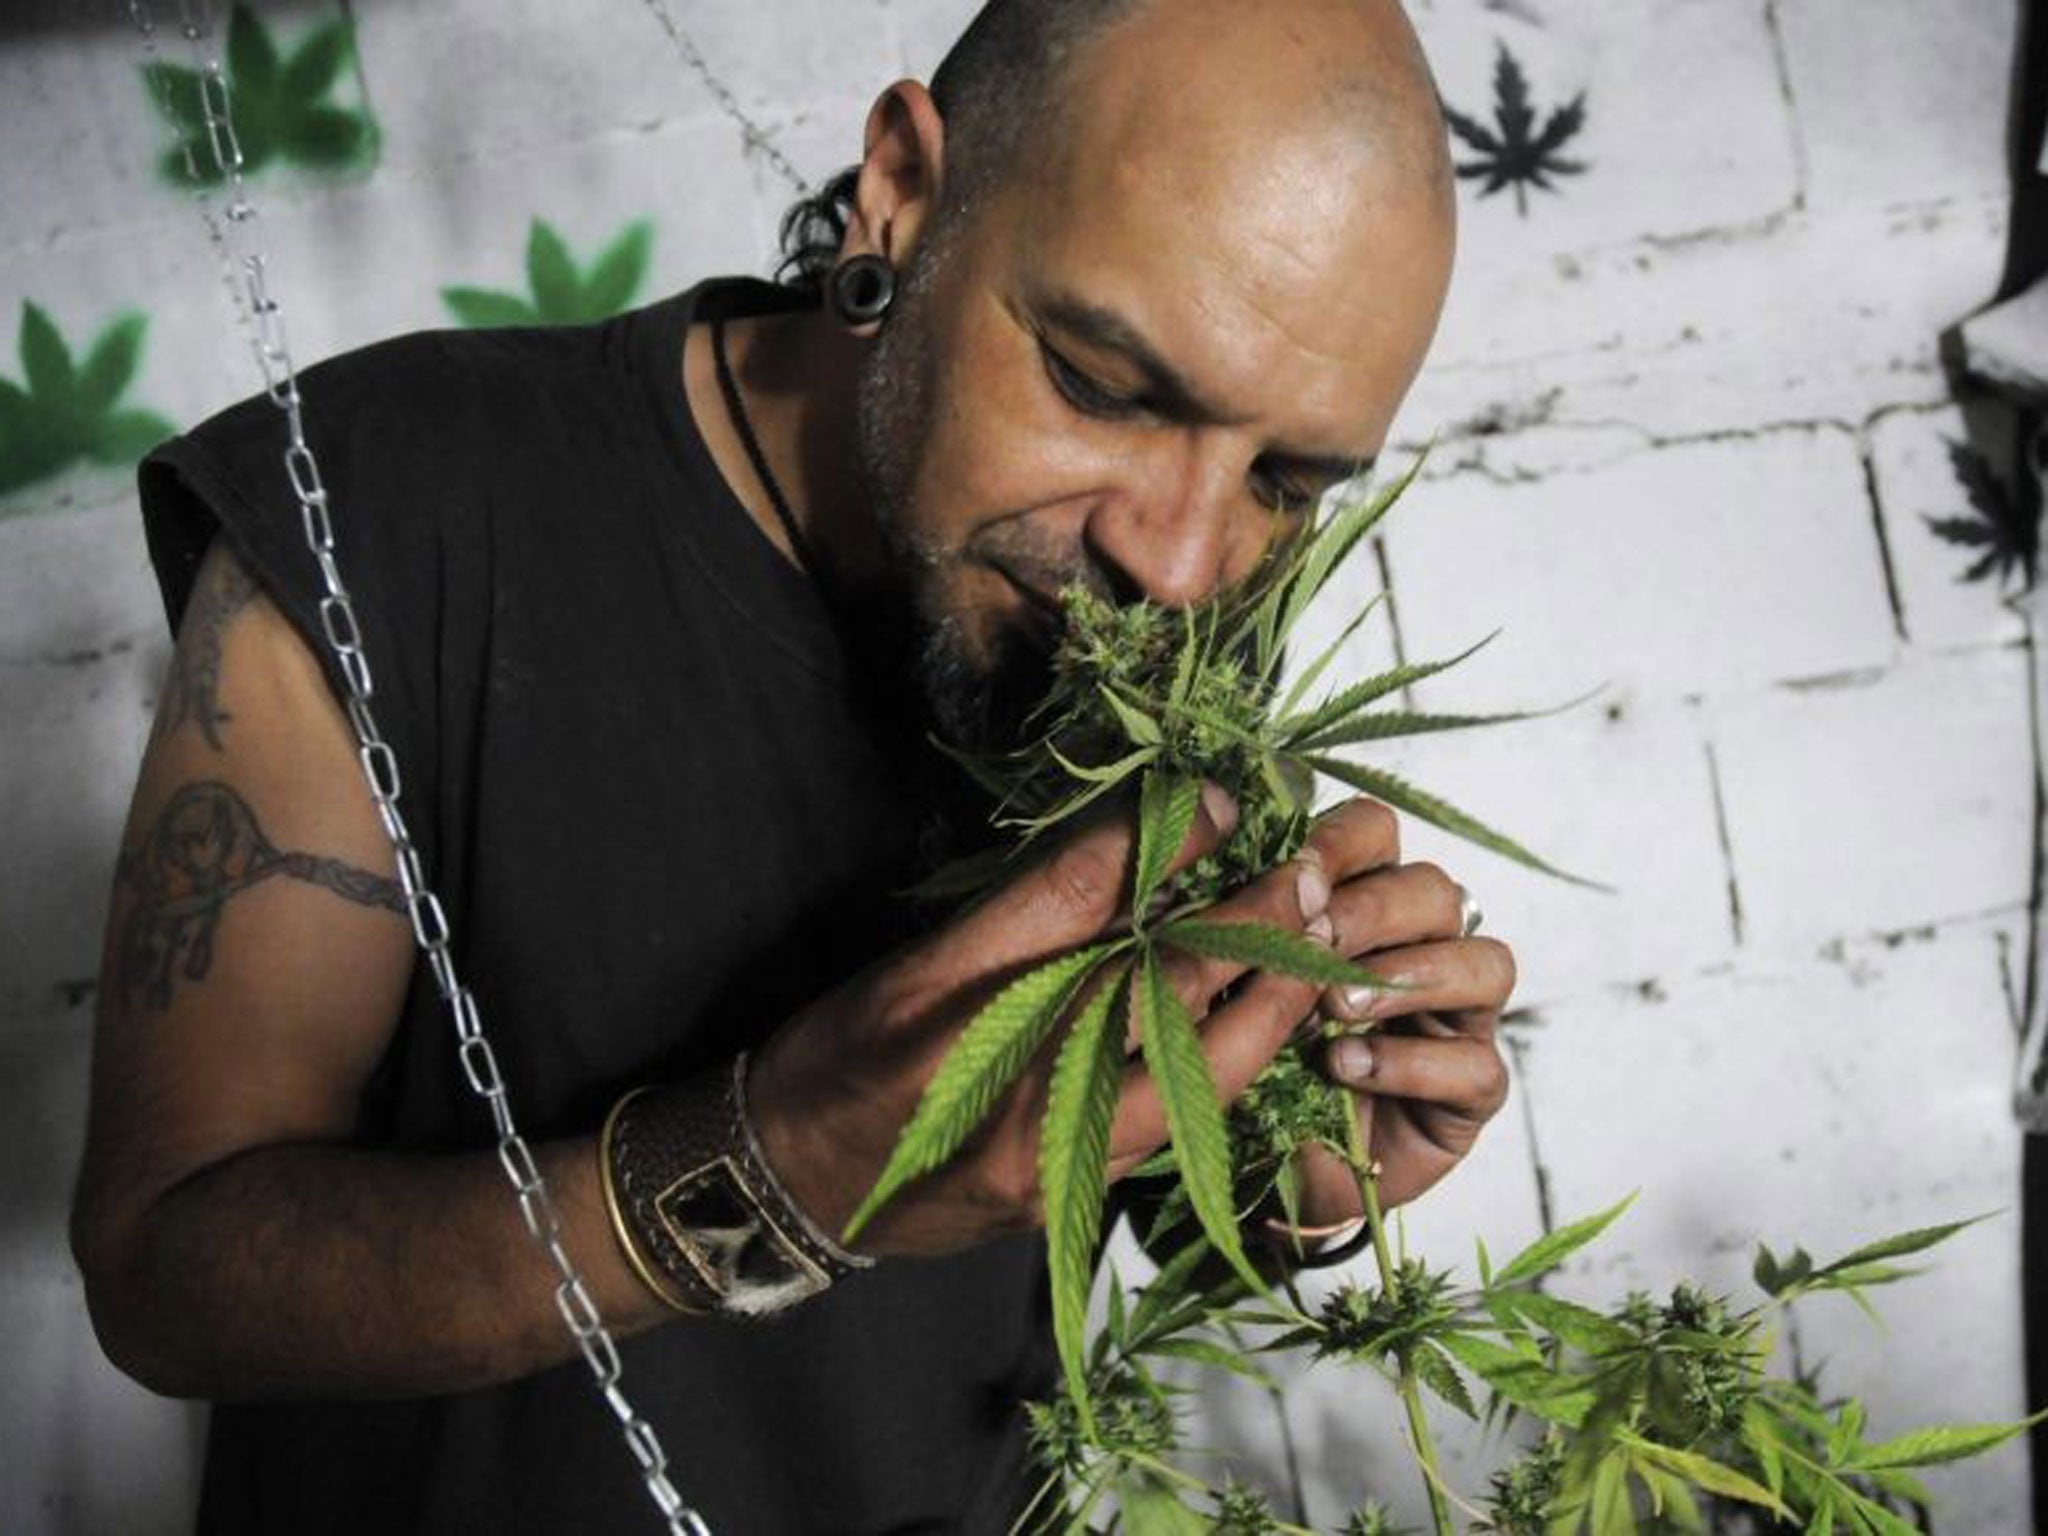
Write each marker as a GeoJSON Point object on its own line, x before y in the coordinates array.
{"type": "Point", "coordinates": [660, 612]}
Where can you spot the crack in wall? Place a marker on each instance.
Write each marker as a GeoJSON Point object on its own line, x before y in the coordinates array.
{"type": "Point", "coordinates": [1781, 61]}
{"type": "Point", "coordinates": [1379, 556]}
{"type": "Point", "coordinates": [1884, 542]}
{"type": "Point", "coordinates": [1727, 844]}
{"type": "Point", "coordinates": [1518, 1053]}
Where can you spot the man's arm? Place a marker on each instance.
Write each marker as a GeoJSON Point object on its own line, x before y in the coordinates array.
{"type": "Point", "coordinates": [257, 958]}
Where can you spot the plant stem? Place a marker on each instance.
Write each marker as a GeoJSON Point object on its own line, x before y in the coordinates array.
{"type": "Point", "coordinates": [1410, 1388]}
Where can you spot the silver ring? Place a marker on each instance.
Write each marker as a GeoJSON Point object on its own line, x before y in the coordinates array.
{"type": "Point", "coordinates": [1470, 914]}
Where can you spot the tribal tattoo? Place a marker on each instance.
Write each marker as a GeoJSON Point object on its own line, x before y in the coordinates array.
{"type": "Point", "coordinates": [192, 687]}
{"type": "Point", "coordinates": [205, 849]}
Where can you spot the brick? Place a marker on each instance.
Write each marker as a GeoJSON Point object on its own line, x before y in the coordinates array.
{"type": "Point", "coordinates": [1685, 126]}
{"type": "Point", "coordinates": [1825, 1105]}
{"type": "Point", "coordinates": [76, 726]}
{"type": "Point", "coordinates": [1917, 483]}
{"type": "Point", "coordinates": [1618, 790]}
{"type": "Point", "coordinates": [1880, 120]}
{"type": "Point", "coordinates": [1692, 568]}
{"type": "Point", "coordinates": [1802, 319]}
{"type": "Point", "coordinates": [1879, 805]}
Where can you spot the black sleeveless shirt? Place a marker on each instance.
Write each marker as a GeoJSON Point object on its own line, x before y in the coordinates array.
{"type": "Point", "coordinates": [660, 822]}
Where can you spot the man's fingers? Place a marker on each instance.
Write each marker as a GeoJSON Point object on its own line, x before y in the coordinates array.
{"type": "Point", "coordinates": [1238, 1039]}
{"type": "Point", "coordinates": [1448, 976]}
{"type": "Point", "coordinates": [1354, 837]}
{"type": "Point", "coordinates": [1073, 893]}
{"type": "Point", "coordinates": [1462, 1074]}
{"type": "Point", "coordinates": [1402, 904]}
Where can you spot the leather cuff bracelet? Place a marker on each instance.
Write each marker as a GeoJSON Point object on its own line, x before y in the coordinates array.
{"type": "Point", "coordinates": [702, 1218]}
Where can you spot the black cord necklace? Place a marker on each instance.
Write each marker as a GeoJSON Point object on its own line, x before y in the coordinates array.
{"type": "Point", "coordinates": [736, 408]}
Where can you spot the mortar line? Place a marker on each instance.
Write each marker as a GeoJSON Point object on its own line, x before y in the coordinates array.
{"type": "Point", "coordinates": [1884, 544]}
{"type": "Point", "coordinates": [1782, 63]}
{"type": "Point", "coordinates": [1379, 555]}
{"type": "Point", "coordinates": [1518, 1052]}
{"type": "Point", "coordinates": [1727, 843]}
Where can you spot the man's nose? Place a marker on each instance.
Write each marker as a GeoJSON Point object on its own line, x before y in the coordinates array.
{"type": "Point", "coordinates": [1169, 530]}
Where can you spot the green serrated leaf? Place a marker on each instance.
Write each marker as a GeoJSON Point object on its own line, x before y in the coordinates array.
{"type": "Point", "coordinates": [982, 1063]}
{"type": "Point", "coordinates": [1209, 1353]}
{"type": "Point", "coordinates": [1403, 796]}
{"type": "Point", "coordinates": [1264, 947]}
{"type": "Point", "coordinates": [1390, 724]}
{"type": "Point", "coordinates": [1899, 1244]}
{"type": "Point", "coordinates": [1580, 1327]}
{"type": "Point", "coordinates": [1073, 1159]}
{"type": "Point", "coordinates": [317, 62]}
{"type": "Point", "coordinates": [1704, 1472]}
{"type": "Point", "coordinates": [1339, 535]}
{"type": "Point", "coordinates": [1187, 1093]}
{"type": "Point", "coordinates": [481, 308]}
{"type": "Point", "coordinates": [1312, 673]}
{"type": "Point", "coordinates": [1166, 810]}
{"type": "Point", "coordinates": [1927, 1447]}
{"type": "Point", "coordinates": [616, 274]}
{"type": "Point", "coordinates": [1553, 1248]}
{"type": "Point", "coordinates": [1140, 727]}
{"type": "Point", "coordinates": [1530, 1384]}
{"type": "Point", "coordinates": [1611, 1513]}
{"type": "Point", "coordinates": [1434, 1370]}
{"type": "Point", "coordinates": [551, 273]}
{"type": "Point", "coordinates": [45, 359]}
{"type": "Point", "coordinates": [1150, 1507]}
{"type": "Point", "coordinates": [1341, 706]}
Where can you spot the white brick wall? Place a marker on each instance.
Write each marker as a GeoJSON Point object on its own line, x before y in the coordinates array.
{"type": "Point", "coordinates": [1690, 426]}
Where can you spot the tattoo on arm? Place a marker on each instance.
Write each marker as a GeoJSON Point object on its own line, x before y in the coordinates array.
{"type": "Point", "coordinates": [192, 687]}
{"type": "Point", "coordinates": [205, 848]}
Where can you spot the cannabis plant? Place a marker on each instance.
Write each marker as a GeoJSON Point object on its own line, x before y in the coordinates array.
{"type": "Point", "coordinates": [1639, 1408]}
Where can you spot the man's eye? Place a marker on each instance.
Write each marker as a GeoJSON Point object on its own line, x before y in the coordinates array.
{"type": "Point", "coordinates": [1083, 393]}
{"type": "Point", "coordinates": [1281, 492]}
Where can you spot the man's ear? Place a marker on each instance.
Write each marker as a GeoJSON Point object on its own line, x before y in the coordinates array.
{"type": "Point", "coordinates": [900, 174]}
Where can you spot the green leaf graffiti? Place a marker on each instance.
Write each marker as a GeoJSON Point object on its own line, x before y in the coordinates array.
{"type": "Point", "coordinates": [68, 410]}
{"type": "Point", "coordinates": [560, 292]}
{"type": "Point", "coordinates": [277, 102]}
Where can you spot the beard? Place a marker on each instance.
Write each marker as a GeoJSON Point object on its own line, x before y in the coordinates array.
{"type": "Point", "coordinates": [967, 678]}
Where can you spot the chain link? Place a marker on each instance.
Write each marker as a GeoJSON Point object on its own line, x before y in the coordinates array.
{"type": "Point", "coordinates": [247, 276]}
{"type": "Point", "coordinates": [755, 138]}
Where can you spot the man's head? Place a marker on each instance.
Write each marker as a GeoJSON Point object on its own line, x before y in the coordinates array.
{"type": "Point", "coordinates": [1169, 267]}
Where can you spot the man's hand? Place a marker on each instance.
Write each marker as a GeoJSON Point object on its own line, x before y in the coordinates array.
{"type": "Point", "coordinates": [833, 1089]}
{"type": "Point", "coordinates": [1428, 1074]}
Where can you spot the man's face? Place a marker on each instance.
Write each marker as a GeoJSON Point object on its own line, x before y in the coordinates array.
{"type": "Point", "coordinates": [1132, 364]}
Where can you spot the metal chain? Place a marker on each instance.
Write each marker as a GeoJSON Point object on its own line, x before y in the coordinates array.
{"type": "Point", "coordinates": [343, 634]}
{"type": "Point", "coordinates": [755, 137]}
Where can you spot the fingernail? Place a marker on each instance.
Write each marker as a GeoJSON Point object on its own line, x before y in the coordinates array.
{"type": "Point", "coordinates": [1351, 1059]}
{"type": "Point", "coordinates": [1217, 802]}
{"type": "Point", "coordinates": [1311, 887]}
{"type": "Point", "coordinates": [1357, 1000]}
{"type": "Point", "coordinates": [1321, 929]}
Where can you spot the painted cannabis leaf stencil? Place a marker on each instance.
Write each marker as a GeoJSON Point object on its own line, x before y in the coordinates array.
{"type": "Point", "coordinates": [279, 104]}
{"type": "Point", "coordinates": [2005, 532]}
{"type": "Point", "coordinates": [65, 410]}
{"type": "Point", "coordinates": [1515, 152]}
{"type": "Point", "coordinates": [561, 292]}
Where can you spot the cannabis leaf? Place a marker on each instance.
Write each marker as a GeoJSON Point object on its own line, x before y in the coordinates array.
{"type": "Point", "coordinates": [64, 411]}
{"type": "Point", "coordinates": [278, 104]}
{"type": "Point", "coordinates": [1519, 154]}
{"type": "Point", "coordinates": [562, 294]}
{"type": "Point", "coordinates": [2008, 533]}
